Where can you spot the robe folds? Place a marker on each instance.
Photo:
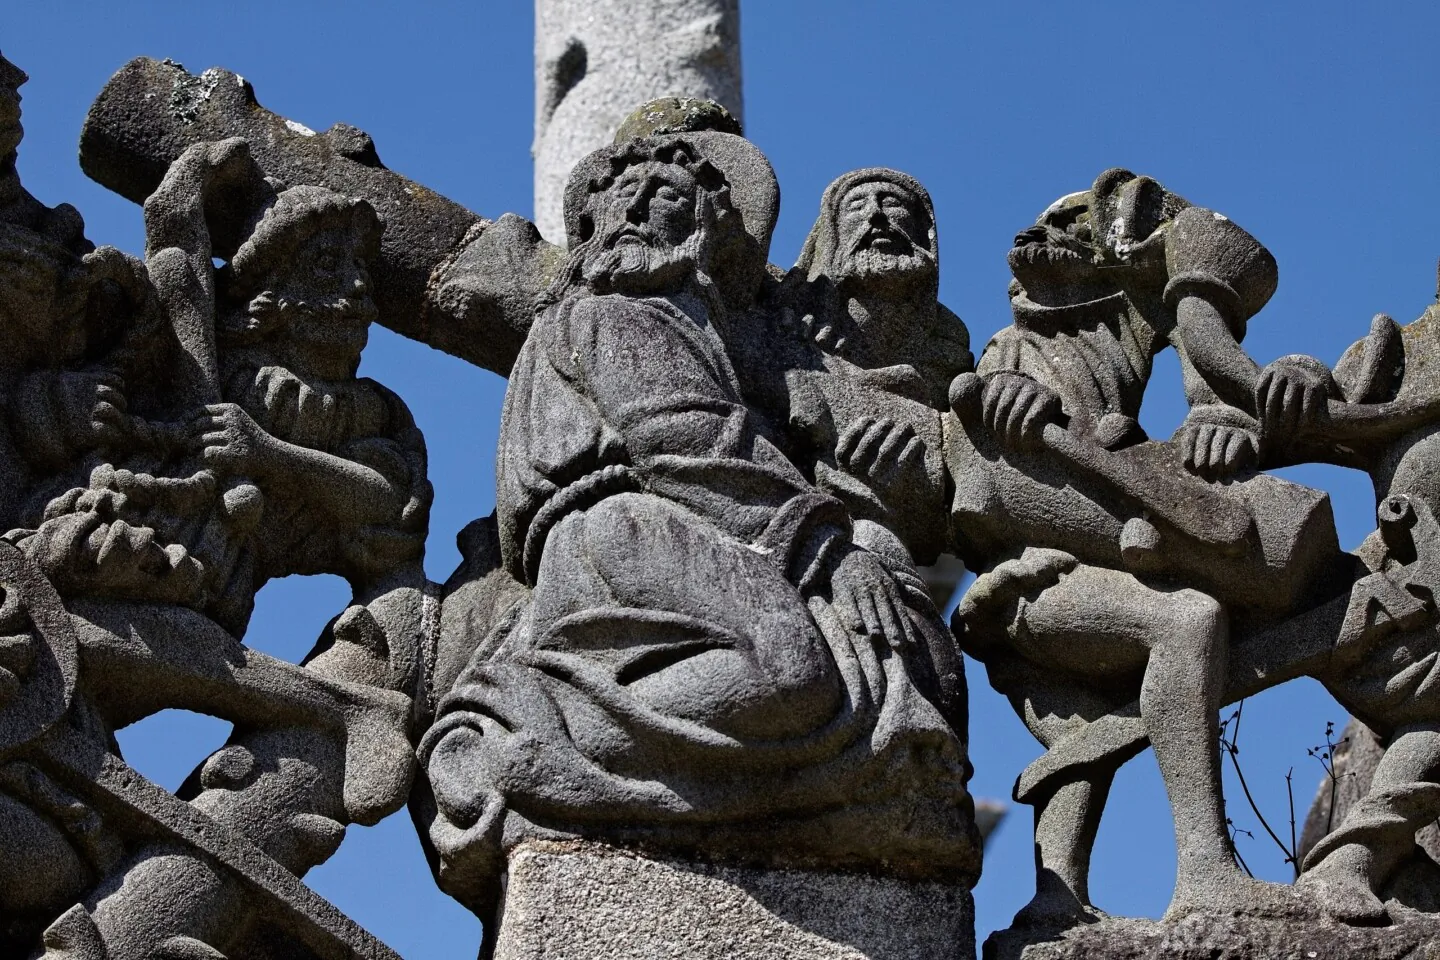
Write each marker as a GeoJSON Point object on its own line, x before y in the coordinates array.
{"type": "Point", "coordinates": [677, 677]}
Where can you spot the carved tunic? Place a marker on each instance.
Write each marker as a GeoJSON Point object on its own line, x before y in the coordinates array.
{"type": "Point", "coordinates": [667, 645]}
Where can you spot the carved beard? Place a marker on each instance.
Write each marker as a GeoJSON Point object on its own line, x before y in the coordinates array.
{"type": "Point", "coordinates": [638, 270]}
{"type": "Point", "coordinates": [342, 323]}
{"type": "Point", "coordinates": [868, 266]}
{"type": "Point", "coordinates": [11, 133]}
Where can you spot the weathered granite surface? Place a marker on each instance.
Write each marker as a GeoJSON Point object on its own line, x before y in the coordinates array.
{"type": "Point", "coordinates": [583, 901]}
{"type": "Point", "coordinates": [1212, 936]}
{"type": "Point", "coordinates": [695, 633]}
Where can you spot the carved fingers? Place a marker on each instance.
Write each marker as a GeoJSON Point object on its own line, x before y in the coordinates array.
{"type": "Point", "coordinates": [1016, 409]}
{"type": "Point", "coordinates": [1288, 397]}
{"type": "Point", "coordinates": [93, 406]}
{"type": "Point", "coordinates": [1216, 451]}
{"type": "Point", "coordinates": [868, 600]}
{"type": "Point", "coordinates": [878, 448]}
{"type": "Point", "coordinates": [229, 439]}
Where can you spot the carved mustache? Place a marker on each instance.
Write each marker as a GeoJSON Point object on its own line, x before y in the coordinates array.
{"type": "Point", "coordinates": [643, 233]}
{"type": "Point", "coordinates": [872, 234]}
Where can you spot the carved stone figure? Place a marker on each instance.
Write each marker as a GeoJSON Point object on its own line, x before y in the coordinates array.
{"type": "Point", "coordinates": [54, 843]}
{"type": "Point", "coordinates": [1127, 582]}
{"type": "Point", "coordinates": [877, 353]}
{"type": "Point", "coordinates": [706, 660]}
{"type": "Point", "coordinates": [332, 482]}
{"type": "Point", "coordinates": [1365, 627]}
{"type": "Point", "coordinates": [1380, 414]}
{"type": "Point", "coordinates": [848, 357]}
{"type": "Point", "coordinates": [128, 594]}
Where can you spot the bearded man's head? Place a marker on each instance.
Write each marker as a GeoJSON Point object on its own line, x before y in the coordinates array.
{"type": "Point", "coordinates": [885, 234]}
{"type": "Point", "coordinates": [653, 221]}
{"type": "Point", "coordinates": [1095, 243]}
{"type": "Point", "coordinates": [303, 273]}
{"type": "Point", "coordinates": [647, 240]}
{"type": "Point", "coordinates": [876, 229]}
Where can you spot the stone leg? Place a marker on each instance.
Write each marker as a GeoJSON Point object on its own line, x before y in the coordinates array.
{"type": "Point", "coordinates": [1348, 868]}
{"type": "Point", "coordinates": [1105, 623]}
{"type": "Point", "coordinates": [585, 901]}
{"type": "Point", "coordinates": [1068, 817]}
{"type": "Point", "coordinates": [1065, 828]}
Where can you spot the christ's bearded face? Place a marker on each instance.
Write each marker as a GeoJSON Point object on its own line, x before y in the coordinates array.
{"type": "Point", "coordinates": [884, 233]}
{"type": "Point", "coordinates": [646, 240]}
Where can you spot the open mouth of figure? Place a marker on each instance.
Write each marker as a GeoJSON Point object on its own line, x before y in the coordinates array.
{"type": "Point", "coordinates": [1039, 245]}
{"type": "Point", "coordinates": [885, 241]}
{"type": "Point", "coordinates": [1035, 254]}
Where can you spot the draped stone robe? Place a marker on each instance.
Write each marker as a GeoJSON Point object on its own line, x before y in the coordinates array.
{"type": "Point", "coordinates": [677, 675]}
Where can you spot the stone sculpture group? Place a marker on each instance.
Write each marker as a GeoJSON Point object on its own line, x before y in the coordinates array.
{"type": "Point", "coordinates": [696, 626]}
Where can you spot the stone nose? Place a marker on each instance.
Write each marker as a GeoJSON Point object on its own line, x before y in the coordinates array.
{"type": "Point", "coordinates": [637, 208]}
{"type": "Point", "coordinates": [1036, 234]}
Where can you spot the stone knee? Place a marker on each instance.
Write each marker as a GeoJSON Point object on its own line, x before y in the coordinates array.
{"type": "Point", "coordinates": [1187, 656]}
{"type": "Point", "coordinates": [1192, 625]}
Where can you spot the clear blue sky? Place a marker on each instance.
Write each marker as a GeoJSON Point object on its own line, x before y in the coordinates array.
{"type": "Point", "coordinates": [1313, 125]}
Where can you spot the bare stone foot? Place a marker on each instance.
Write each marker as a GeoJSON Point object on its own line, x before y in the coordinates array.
{"type": "Point", "coordinates": [1055, 911]}
{"type": "Point", "coordinates": [1239, 895]}
{"type": "Point", "coordinates": [1345, 896]}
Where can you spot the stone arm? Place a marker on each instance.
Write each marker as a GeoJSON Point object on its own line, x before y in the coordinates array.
{"type": "Point", "coordinates": [1222, 370]}
{"type": "Point", "coordinates": [445, 276]}
{"type": "Point", "coordinates": [179, 245]}
{"type": "Point", "coordinates": [349, 493]}
{"type": "Point", "coordinates": [1219, 277]}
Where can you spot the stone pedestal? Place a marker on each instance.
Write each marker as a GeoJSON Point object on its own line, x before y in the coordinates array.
{"type": "Point", "coordinates": [1414, 936]}
{"type": "Point", "coordinates": [577, 901]}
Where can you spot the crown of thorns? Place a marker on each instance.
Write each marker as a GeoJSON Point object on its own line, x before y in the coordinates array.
{"type": "Point", "coordinates": [706, 174]}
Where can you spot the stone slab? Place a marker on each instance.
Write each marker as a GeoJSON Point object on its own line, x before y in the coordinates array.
{"type": "Point", "coordinates": [578, 901]}
{"type": "Point", "coordinates": [1225, 937]}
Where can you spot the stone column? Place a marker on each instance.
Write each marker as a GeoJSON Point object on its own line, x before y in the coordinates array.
{"type": "Point", "coordinates": [597, 60]}
{"type": "Point", "coordinates": [586, 901]}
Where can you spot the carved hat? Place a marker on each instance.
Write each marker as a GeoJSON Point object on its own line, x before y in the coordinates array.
{"type": "Point", "coordinates": [820, 246]}
{"type": "Point", "coordinates": [292, 218]}
{"type": "Point", "coordinates": [754, 191]}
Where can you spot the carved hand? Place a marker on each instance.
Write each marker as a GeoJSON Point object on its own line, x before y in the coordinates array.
{"type": "Point", "coordinates": [1216, 451]}
{"type": "Point", "coordinates": [230, 166]}
{"type": "Point", "coordinates": [880, 452]}
{"type": "Point", "coordinates": [231, 440]}
{"type": "Point", "coordinates": [868, 600]}
{"type": "Point", "coordinates": [1016, 409]}
{"type": "Point", "coordinates": [1288, 397]}
{"type": "Point", "coordinates": [91, 405]}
